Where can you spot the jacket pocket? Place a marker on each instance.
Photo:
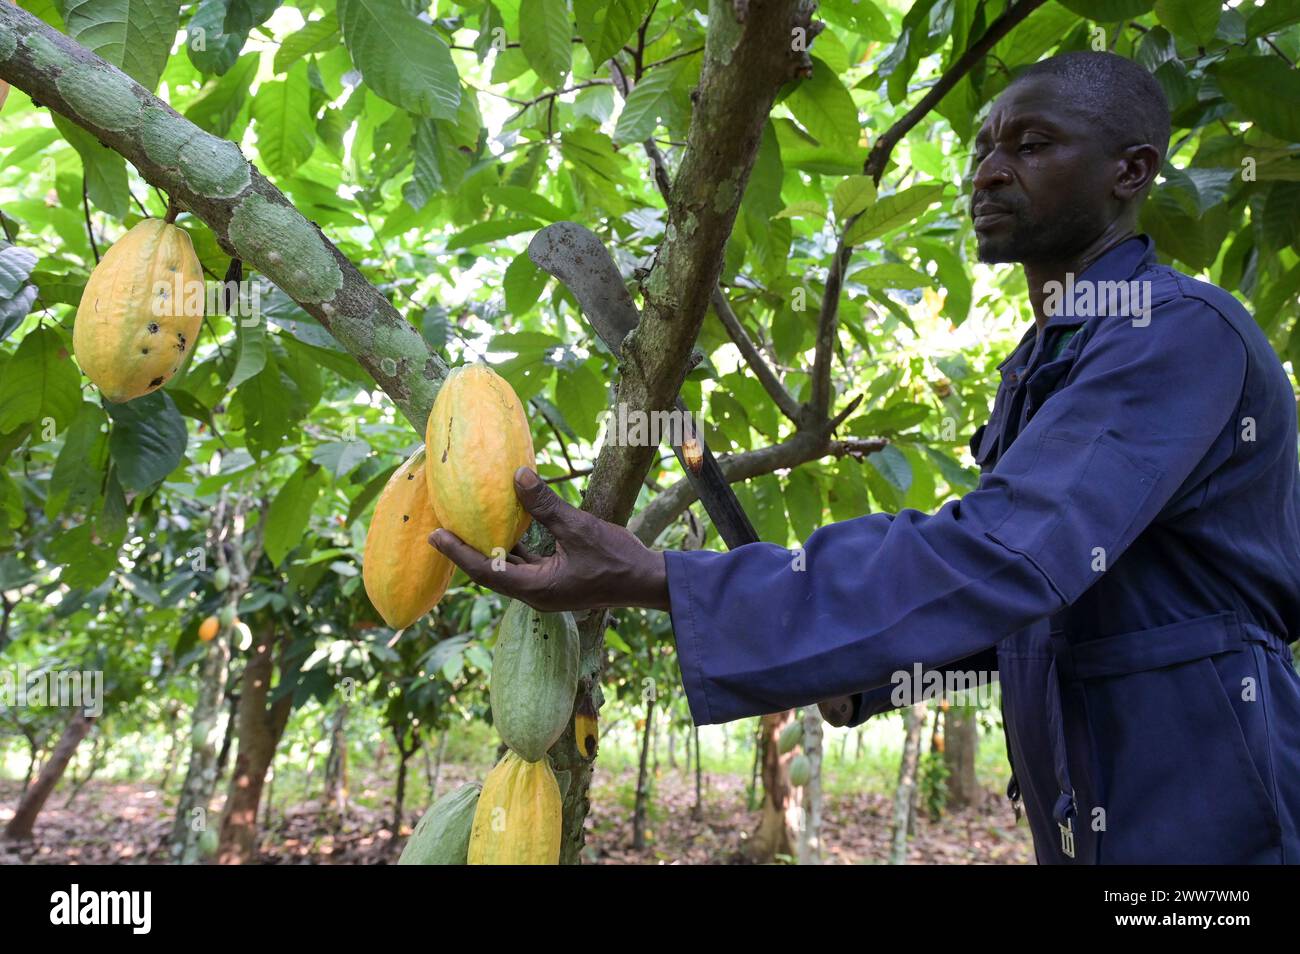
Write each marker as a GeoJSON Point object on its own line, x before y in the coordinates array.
{"type": "Point", "coordinates": [1179, 781]}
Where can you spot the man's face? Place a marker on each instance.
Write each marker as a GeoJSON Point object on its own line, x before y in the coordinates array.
{"type": "Point", "coordinates": [1042, 179]}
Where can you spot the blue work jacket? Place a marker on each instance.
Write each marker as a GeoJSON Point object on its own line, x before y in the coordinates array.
{"type": "Point", "coordinates": [1129, 565]}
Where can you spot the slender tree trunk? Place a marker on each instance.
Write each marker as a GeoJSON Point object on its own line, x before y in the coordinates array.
{"type": "Point", "coordinates": [336, 763]}
{"type": "Point", "coordinates": [260, 729]}
{"type": "Point", "coordinates": [436, 781]}
{"type": "Point", "coordinates": [810, 831]}
{"type": "Point", "coordinates": [781, 808]}
{"type": "Point", "coordinates": [753, 769]}
{"type": "Point", "coordinates": [697, 812]}
{"type": "Point", "coordinates": [229, 736]}
{"type": "Point", "coordinates": [34, 756]}
{"type": "Point", "coordinates": [960, 754]}
{"type": "Point", "coordinates": [210, 726]}
{"type": "Point", "coordinates": [33, 800]}
{"type": "Point", "coordinates": [404, 753]}
{"type": "Point", "coordinates": [97, 753]}
{"type": "Point", "coordinates": [857, 752]}
{"type": "Point", "coordinates": [642, 780]}
{"type": "Point", "coordinates": [672, 749]}
{"type": "Point", "coordinates": [914, 719]}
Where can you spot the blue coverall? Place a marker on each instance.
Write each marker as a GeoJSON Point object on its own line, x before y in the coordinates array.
{"type": "Point", "coordinates": [1129, 565]}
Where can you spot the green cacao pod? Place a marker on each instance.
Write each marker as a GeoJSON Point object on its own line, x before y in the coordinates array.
{"type": "Point", "coordinates": [227, 616]}
{"type": "Point", "coordinates": [477, 437]}
{"type": "Point", "coordinates": [519, 817]}
{"type": "Point", "coordinates": [790, 736]}
{"type": "Point", "coordinates": [221, 578]}
{"type": "Point", "coordinates": [442, 835]}
{"type": "Point", "coordinates": [404, 576]}
{"type": "Point", "coordinates": [800, 770]}
{"type": "Point", "coordinates": [140, 314]}
{"type": "Point", "coordinates": [534, 678]}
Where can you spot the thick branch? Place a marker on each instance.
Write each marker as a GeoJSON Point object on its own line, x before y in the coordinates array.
{"type": "Point", "coordinates": [250, 217]}
{"type": "Point", "coordinates": [745, 64]}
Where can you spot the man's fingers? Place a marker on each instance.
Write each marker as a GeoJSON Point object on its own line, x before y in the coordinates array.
{"type": "Point", "coordinates": [512, 579]}
{"type": "Point", "coordinates": [523, 554]}
{"type": "Point", "coordinates": [541, 501]}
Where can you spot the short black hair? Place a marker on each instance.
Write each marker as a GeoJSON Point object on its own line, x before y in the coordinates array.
{"type": "Point", "coordinates": [1125, 101]}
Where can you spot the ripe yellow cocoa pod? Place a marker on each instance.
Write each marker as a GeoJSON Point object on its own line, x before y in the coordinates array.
{"type": "Point", "coordinates": [404, 576]}
{"type": "Point", "coordinates": [209, 628]}
{"type": "Point", "coordinates": [477, 437]}
{"type": "Point", "coordinates": [518, 820]}
{"type": "Point", "coordinates": [140, 314]}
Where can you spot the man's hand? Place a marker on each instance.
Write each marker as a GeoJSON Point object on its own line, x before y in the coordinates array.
{"type": "Point", "coordinates": [596, 564]}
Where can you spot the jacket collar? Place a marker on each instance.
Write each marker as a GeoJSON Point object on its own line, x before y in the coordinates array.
{"type": "Point", "coordinates": [1120, 262]}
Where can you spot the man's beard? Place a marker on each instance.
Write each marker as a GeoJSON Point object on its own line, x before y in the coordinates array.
{"type": "Point", "coordinates": [1022, 241]}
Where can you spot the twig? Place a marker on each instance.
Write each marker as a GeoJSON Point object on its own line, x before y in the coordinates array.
{"type": "Point", "coordinates": [749, 351]}
{"type": "Point", "coordinates": [90, 231]}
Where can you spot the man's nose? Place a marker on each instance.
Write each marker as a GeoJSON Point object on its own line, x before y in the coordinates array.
{"type": "Point", "coordinates": [990, 173]}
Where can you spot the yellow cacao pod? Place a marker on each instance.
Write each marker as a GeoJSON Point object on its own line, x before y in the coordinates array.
{"type": "Point", "coordinates": [209, 628]}
{"type": "Point", "coordinates": [477, 437]}
{"type": "Point", "coordinates": [404, 576]}
{"type": "Point", "coordinates": [140, 313]}
{"type": "Point", "coordinates": [518, 820]}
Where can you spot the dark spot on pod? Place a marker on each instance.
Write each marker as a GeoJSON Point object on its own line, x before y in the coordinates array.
{"type": "Point", "coordinates": [405, 517]}
{"type": "Point", "coordinates": [144, 350]}
{"type": "Point", "coordinates": [153, 327]}
{"type": "Point", "coordinates": [410, 476]}
{"type": "Point", "coordinates": [155, 382]}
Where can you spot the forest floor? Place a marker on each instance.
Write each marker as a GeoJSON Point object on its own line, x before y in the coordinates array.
{"type": "Point", "coordinates": [125, 823]}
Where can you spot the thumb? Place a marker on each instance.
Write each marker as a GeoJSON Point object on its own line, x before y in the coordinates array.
{"type": "Point", "coordinates": [541, 501]}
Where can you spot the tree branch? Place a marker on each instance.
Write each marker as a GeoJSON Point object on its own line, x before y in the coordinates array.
{"type": "Point", "coordinates": [766, 376]}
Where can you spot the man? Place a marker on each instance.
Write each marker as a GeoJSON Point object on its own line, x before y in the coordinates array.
{"type": "Point", "coordinates": [1129, 563]}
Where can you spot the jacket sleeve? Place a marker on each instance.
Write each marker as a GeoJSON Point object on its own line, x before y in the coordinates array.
{"type": "Point", "coordinates": [762, 629]}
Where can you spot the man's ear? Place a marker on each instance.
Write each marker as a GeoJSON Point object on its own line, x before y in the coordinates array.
{"type": "Point", "coordinates": [1138, 168]}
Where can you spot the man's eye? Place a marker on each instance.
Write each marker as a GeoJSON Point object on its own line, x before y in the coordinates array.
{"type": "Point", "coordinates": [1031, 146]}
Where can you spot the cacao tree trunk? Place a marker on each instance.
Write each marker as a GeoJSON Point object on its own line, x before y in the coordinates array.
{"type": "Point", "coordinates": [97, 753]}
{"type": "Point", "coordinates": [33, 800]}
{"type": "Point", "coordinates": [672, 749]}
{"type": "Point", "coordinates": [781, 808]}
{"type": "Point", "coordinates": [914, 720]}
{"type": "Point", "coordinates": [404, 753]}
{"type": "Point", "coordinates": [961, 750]}
{"type": "Point", "coordinates": [642, 781]}
{"type": "Point", "coordinates": [697, 812]}
{"type": "Point", "coordinates": [336, 763]}
{"type": "Point", "coordinates": [260, 729]}
{"type": "Point", "coordinates": [810, 831]}
{"type": "Point", "coordinates": [210, 724]}
{"type": "Point", "coordinates": [436, 781]}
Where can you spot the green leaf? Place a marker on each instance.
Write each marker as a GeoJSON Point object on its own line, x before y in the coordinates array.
{"type": "Point", "coordinates": [105, 170]}
{"type": "Point", "coordinates": [546, 39]}
{"type": "Point", "coordinates": [79, 470]}
{"type": "Point", "coordinates": [1108, 11]}
{"type": "Point", "coordinates": [317, 36]}
{"type": "Point", "coordinates": [848, 494]}
{"type": "Point", "coordinates": [243, 15]}
{"type": "Point", "coordinates": [1280, 221]}
{"type": "Point", "coordinates": [136, 35]}
{"type": "Point", "coordinates": [85, 563]}
{"type": "Point", "coordinates": [803, 502]}
{"type": "Point", "coordinates": [893, 211]}
{"type": "Point", "coordinates": [525, 201]}
{"type": "Point", "coordinates": [524, 282]}
{"type": "Point", "coordinates": [482, 233]}
{"type": "Point", "coordinates": [208, 46]}
{"type": "Point", "coordinates": [341, 457]}
{"type": "Point", "coordinates": [1266, 90]}
{"type": "Point", "coordinates": [1192, 20]}
{"type": "Point", "coordinates": [252, 352]}
{"type": "Point", "coordinates": [824, 107]}
{"type": "Point", "coordinates": [605, 25]}
{"type": "Point", "coordinates": [852, 195]}
{"type": "Point", "coordinates": [646, 105]}
{"type": "Point", "coordinates": [218, 108]}
{"type": "Point", "coordinates": [402, 58]}
{"type": "Point", "coordinates": [1272, 16]}
{"type": "Point", "coordinates": [581, 397]}
{"type": "Point", "coordinates": [39, 383]}
{"type": "Point", "coordinates": [286, 132]}
{"type": "Point", "coordinates": [147, 441]}
{"type": "Point", "coordinates": [891, 275]}
{"type": "Point", "coordinates": [286, 520]}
